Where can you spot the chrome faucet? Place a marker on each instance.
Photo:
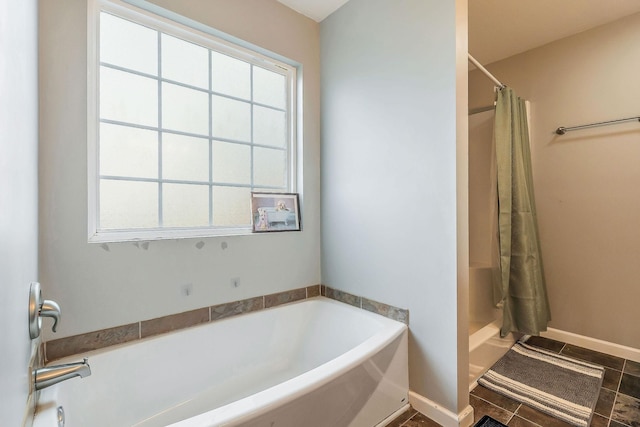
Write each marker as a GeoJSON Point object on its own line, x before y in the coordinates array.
{"type": "Point", "coordinates": [50, 375]}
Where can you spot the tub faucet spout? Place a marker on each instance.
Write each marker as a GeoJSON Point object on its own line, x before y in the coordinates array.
{"type": "Point", "coordinates": [50, 375]}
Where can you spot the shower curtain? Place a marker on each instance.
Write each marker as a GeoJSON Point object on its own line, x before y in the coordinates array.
{"type": "Point", "coordinates": [521, 286]}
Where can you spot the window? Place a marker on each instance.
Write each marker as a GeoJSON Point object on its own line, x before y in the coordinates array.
{"type": "Point", "coordinates": [186, 126]}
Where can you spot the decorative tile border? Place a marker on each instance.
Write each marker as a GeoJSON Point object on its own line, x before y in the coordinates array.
{"type": "Point", "coordinates": [95, 340]}
{"type": "Point", "coordinates": [386, 310]}
{"type": "Point", "coordinates": [234, 308]}
{"type": "Point", "coordinates": [91, 341]}
{"type": "Point", "coordinates": [174, 322]}
{"type": "Point", "coordinates": [284, 297]}
{"type": "Point", "coordinates": [344, 297]}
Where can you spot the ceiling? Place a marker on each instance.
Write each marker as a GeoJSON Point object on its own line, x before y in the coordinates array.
{"type": "Point", "coordinates": [499, 29]}
{"type": "Point", "coordinates": [314, 9]}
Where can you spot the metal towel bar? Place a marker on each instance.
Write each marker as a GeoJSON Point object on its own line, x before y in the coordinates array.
{"type": "Point", "coordinates": [562, 130]}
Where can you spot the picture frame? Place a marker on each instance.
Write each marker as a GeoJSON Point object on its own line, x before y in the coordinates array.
{"type": "Point", "coordinates": [273, 212]}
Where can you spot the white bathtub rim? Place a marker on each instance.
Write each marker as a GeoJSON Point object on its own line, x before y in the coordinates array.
{"type": "Point", "coordinates": [298, 386]}
{"type": "Point", "coordinates": [89, 353]}
{"type": "Point", "coordinates": [483, 334]}
{"type": "Point", "coordinates": [486, 346]}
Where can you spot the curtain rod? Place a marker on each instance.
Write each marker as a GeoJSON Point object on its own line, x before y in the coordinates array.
{"type": "Point", "coordinates": [485, 71]}
{"type": "Point", "coordinates": [562, 130]}
{"type": "Point", "coordinates": [473, 111]}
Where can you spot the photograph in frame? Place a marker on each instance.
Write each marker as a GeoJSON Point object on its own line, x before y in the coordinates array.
{"type": "Point", "coordinates": [274, 212]}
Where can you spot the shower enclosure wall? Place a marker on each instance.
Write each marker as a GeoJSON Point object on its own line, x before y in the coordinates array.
{"type": "Point", "coordinates": [485, 344]}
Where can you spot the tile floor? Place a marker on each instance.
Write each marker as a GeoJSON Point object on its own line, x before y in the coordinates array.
{"type": "Point", "coordinates": [618, 404]}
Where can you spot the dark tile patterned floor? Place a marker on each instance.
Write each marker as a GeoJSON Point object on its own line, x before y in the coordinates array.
{"type": "Point", "coordinates": [413, 418]}
{"type": "Point", "coordinates": [618, 404]}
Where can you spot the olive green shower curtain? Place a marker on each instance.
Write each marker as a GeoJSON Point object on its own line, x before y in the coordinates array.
{"type": "Point", "coordinates": [522, 285]}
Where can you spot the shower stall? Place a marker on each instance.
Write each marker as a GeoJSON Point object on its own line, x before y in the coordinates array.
{"type": "Point", "coordinates": [507, 288]}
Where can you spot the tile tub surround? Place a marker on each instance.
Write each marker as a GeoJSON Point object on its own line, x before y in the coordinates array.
{"type": "Point", "coordinates": [68, 346]}
{"type": "Point", "coordinates": [395, 313]}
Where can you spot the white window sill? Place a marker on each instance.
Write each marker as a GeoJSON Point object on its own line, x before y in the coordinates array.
{"type": "Point", "coordinates": [116, 236]}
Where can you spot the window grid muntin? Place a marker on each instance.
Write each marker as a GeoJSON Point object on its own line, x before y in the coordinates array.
{"type": "Point", "coordinates": [251, 59]}
{"type": "Point", "coordinates": [210, 102]}
{"type": "Point", "coordinates": [160, 125]}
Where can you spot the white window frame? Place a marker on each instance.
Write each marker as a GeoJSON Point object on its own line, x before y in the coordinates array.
{"type": "Point", "coordinates": [200, 34]}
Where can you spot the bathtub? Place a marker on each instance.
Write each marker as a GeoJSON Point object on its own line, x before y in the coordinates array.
{"type": "Point", "coordinates": [485, 344]}
{"type": "Point", "coordinates": [317, 362]}
{"type": "Point", "coordinates": [486, 347]}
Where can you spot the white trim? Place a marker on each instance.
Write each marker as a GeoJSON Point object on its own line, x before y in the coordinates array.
{"type": "Point", "coordinates": [441, 415]}
{"type": "Point", "coordinates": [595, 344]}
{"type": "Point", "coordinates": [391, 418]}
{"type": "Point", "coordinates": [189, 30]}
{"type": "Point", "coordinates": [93, 17]}
{"type": "Point", "coordinates": [114, 236]}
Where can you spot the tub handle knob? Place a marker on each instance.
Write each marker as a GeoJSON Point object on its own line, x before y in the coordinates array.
{"type": "Point", "coordinates": [51, 309]}
{"type": "Point", "coordinates": [39, 308]}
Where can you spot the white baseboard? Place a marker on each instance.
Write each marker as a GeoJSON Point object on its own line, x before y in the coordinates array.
{"type": "Point", "coordinates": [595, 344]}
{"type": "Point", "coordinates": [391, 418]}
{"type": "Point", "coordinates": [439, 414]}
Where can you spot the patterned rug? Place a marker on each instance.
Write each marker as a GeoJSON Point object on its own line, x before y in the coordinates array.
{"type": "Point", "coordinates": [557, 385]}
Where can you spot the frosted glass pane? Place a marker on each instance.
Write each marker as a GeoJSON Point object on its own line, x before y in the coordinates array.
{"type": "Point", "coordinates": [184, 109]}
{"type": "Point", "coordinates": [269, 127]}
{"type": "Point", "coordinates": [269, 88]}
{"type": "Point", "coordinates": [269, 167]}
{"type": "Point", "coordinates": [128, 45]}
{"type": "Point", "coordinates": [231, 119]}
{"type": "Point", "coordinates": [127, 151]}
{"type": "Point", "coordinates": [185, 62]}
{"type": "Point", "coordinates": [231, 163]}
{"type": "Point", "coordinates": [231, 206]}
{"type": "Point", "coordinates": [185, 205]}
{"type": "Point", "coordinates": [128, 97]}
{"type": "Point", "coordinates": [128, 204]}
{"type": "Point", "coordinates": [230, 76]}
{"type": "Point", "coordinates": [185, 158]}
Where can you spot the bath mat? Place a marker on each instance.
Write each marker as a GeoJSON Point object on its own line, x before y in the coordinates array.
{"type": "Point", "coordinates": [557, 385]}
{"type": "Point", "coordinates": [487, 421]}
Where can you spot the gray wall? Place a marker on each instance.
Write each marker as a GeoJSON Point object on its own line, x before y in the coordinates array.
{"type": "Point", "coordinates": [99, 287]}
{"type": "Point", "coordinates": [18, 199]}
{"type": "Point", "coordinates": [389, 206]}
